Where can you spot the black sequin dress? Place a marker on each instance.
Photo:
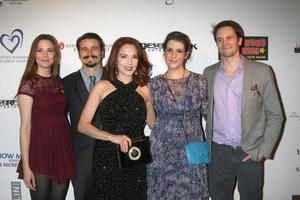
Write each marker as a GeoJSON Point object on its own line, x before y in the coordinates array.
{"type": "Point", "coordinates": [122, 112]}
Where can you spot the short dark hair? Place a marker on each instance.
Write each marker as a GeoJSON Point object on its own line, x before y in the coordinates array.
{"type": "Point", "coordinates": [90, 35]}
{"type": "Point", "coordinates": [180, 37]}
{"type": "Point", "coordinates": [236, 27]}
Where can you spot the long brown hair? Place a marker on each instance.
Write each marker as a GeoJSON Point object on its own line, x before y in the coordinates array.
{"type": "Point", "coordinates": [144, 67]}
{"type": "Point", "coordinates": [31, 66]}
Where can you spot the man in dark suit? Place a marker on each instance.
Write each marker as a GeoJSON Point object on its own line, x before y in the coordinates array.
{"type": "Point", "coordinates": [77, 86]}
{"type": "Point", "coordinates": [244, 120]}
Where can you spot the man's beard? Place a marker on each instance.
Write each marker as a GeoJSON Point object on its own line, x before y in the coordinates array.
{"type": "Point", "coordinates": [93, 64]}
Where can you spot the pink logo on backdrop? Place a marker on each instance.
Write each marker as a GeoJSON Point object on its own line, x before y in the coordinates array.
{"type": "Point", "coordinates": [13, 41]}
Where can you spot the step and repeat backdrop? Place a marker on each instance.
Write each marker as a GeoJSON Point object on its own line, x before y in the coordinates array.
{"type": "Point", "coordinates": [273, 37]}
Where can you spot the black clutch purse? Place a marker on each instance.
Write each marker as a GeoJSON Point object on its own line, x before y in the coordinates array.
{"type": "Point", "coordinates": [138, 153]}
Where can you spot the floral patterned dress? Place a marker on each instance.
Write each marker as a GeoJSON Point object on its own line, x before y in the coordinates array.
{"type": "Point", "coordinates": [178, 121]}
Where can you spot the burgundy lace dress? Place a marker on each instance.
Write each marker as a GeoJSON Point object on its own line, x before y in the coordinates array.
{"type": "Point", "coordinates": [50, 150]}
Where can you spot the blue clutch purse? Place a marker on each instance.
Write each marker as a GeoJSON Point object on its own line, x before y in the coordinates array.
{"type": "Point", "coordinates": [197, 153]}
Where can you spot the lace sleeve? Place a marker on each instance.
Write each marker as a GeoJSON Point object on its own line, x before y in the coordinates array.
{"type": "Point", "coordinates": [26, 87]}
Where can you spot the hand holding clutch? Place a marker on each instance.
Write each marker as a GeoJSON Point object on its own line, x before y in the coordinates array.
{"type": "Point", "coordinates": [139, 153]}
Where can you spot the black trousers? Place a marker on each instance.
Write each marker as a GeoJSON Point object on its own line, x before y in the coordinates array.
{"type": "Point", "coordinates": [227, 167]}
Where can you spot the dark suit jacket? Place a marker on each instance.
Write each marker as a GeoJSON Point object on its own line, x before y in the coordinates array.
{"type": "Point", "coordinates": [77, 94]}
{"type": "Point", "coordinates": [262, 114]}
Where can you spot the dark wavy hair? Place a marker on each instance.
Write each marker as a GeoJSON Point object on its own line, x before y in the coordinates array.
{"type": "Point", "coordinates": [236, 27]}
{"type": "Point", "coordinates": [144, 67]}
{"type": "Point", "coordinates": [180, 37]}
{"type": "Point", "coordinates": [31, 66]}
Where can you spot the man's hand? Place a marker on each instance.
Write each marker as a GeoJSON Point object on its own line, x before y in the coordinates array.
{"type": "Point", "coordinates": [260, 157]}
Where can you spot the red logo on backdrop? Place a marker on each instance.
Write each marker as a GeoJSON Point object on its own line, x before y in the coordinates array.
{"type": "Point", "coordinates": [61, 45]}
{"type": "Point", "coordinates": [255, 47]}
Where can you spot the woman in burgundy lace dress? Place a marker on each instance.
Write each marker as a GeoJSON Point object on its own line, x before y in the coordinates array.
{"type": "Point", "coordinates": [47, 162]}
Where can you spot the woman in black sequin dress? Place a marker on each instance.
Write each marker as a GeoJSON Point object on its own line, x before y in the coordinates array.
{"type": "Point", "coordinates": [125, 106]}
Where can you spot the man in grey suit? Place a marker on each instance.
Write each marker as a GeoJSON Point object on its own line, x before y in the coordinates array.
{"type": "Point", "coordinates": [77, 86]}
{"type": "Point", "coordinates": [244, 120]}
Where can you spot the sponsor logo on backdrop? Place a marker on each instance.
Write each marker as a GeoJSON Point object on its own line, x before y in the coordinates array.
{"type": "Point", "coordinates": [147, 46]}
{"type": "Point", "coordinates": [169, 2]}
{"type": "Point", "coordinates": [255, 47]}
{"type": "Point", "coordinates": [298, 154]}
{"type": "Point", "coordinates": [10, 43]}
{"type": "Point", "coordinates": [8, 159]}
{"type": "Point", "coordinates": [159, 46]}
{"type": "Point", "coordinates": [63, 46]}
{"type": "Point", "coordinates": [152, 46]}
{"type": "Point", "coordinates": [297, 48]}
{"type": "Point", "coordinates": [295, 197]}
{"type": "Point", "coordinates": [74, 48]}
{"type": "Point", "coordinates": [16, 193]}
{"type": "Point", "coordinates": [9, 103]}
{"type": "Point", "coordinates": [294, 116]}
{"type": "Point", "coordinates": [13, 2]}
{"type": "Point", "coordinates": [13, 59]}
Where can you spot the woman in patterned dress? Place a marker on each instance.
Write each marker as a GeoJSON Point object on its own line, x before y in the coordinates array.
{"type": "Point", "coordinates": [180, 101]}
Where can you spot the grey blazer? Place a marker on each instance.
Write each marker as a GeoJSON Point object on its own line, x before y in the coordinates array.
{"type": "Point", "coordinates": [262, 114]}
